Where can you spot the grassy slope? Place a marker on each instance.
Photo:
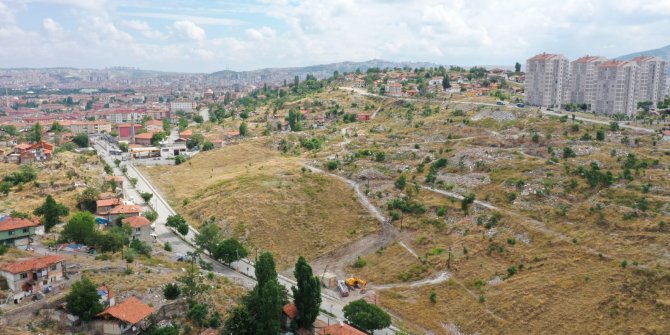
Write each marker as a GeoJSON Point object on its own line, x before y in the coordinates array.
{"type": "Point", "coordinates": [265, 198]}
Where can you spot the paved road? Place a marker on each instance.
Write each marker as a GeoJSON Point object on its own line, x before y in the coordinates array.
{"type": "Point", "coordinates": [241, 272]}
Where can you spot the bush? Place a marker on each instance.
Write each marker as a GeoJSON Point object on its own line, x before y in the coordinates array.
{"type": "Point", "coordinates": [511, 271]}
{"type": "Point", "coordinates": [333, 165]}
{"type": "Point", "coordinates": [179, 159]}
{"type": "Point", "coordinates": [433, 297]}
{"type": "Point", "coordinates": [167, 246]}
{"type": "Point", "coordinates": [171, 291]}
{"type": "Point", "coordinates": [141, 247]}
{"type": "Point", "coordinates": [360, 262]}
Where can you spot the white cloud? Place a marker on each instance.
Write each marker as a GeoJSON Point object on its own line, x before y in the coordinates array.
{"type": "Point", "coordinates": [53, 28]}
{"type": "Point", "coordinates": [261, 33]}
{"type": "Point", "coordinates": [144, 28]}
{"type": "Point", "coordinates": [203, 20]}
{"type": "Point", "coordinates": [190, 30]}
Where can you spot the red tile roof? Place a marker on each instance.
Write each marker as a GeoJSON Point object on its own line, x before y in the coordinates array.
{"type": "Point", "coordinates": [137, 221]}
{"type": "Point", "coordinates": [614, 63]}
{"type": "Point", "coordinates": [290, 310]}
{"type": "Point", "coordinates": [643, 58]}
{"type": "Point", "coordinates": [187, 132]}
{"type": "Point", "coordinates": [16, 223]}
{"type": "Point", "coordinates": [587, 59]}
{"type": "Point", "coordinates": [144, 136]}
{"type": "Point", "coordinates": [125, 209]}
{"type": "Point", "coordinates": [341, 329]}
{"type": "Point", "coordinates": [107, 202]}
{"type": "Point", "coordinates": [544, 56]}
{"type": "Point", "coordinates": [132, 311]}
{"type": "Point", "coordinates": [32, 264]}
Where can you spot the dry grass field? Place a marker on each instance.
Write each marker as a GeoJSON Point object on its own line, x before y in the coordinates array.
{"type": "Point", "coordinates": [265, 199]}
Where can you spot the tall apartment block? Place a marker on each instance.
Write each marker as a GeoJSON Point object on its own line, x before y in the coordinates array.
{"type": "Point", "coordinates": [616, 84]}
{"type": "Point", "coordinates": [583, 75]}
{"type": "Point", "coordinates": [605, 86]}
{"type": "Point", "coordinates": [547, 78]}
{"type": "Point", "coordinates": [651, 78]}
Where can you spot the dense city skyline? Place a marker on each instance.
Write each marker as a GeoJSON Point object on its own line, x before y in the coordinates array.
{"type": "Point", "coordinates": [203, 37]}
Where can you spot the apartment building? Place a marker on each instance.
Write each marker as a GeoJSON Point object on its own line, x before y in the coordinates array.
{"type": "Point", "coordinates": [547, 79]}
{"type": "Point", "coordinates": [583, 75]}
{"type": "Point", "coordinates": [651, 78]}
{"type": "Point", "coordinates": [616, 88]}
{"type": "Point", "coordinates": [185, 105]}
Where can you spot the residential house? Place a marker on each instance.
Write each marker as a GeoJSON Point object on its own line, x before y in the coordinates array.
{"type": "Point", "coordinates": [123, 210]}
{"type": "Point", "coordinates": [104, 206]}
{"type": "Point", "coordinates": [340, 328]}
{"type": "Point", "coordinates": [154, 126]}
{"type": "Point", "coordinates": [144, 139]}
{"type": "Point", "coordinates": [186, 134]}
{"type": "Point", "coordinates": [394, 89]}
{"type": "Point", "coordinates": [125, 130]}
{"type": "Point", "coordinates": [141, 227]}
{"type": "Point", "coordinates": [128, 317]}
{"type": "Point", "coordinates": [33, 275]}
{"type": "Point", "coordinates": [16, 231]}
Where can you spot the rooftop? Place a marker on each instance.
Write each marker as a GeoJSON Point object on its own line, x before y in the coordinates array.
{"type": "Point", "coordinates": [341, 329]}
{"type": "Point", "coordinates": [290, 310]}
{"type": "Point", "coordinates": [124, 209]}
{"type": "Point", "coordinates": [132, 311]}
{"type": "Point", "coordinates": [11, 223]}
{"type": "Point", "coordinates": [32, 264]}
{"type": "Point", "coordinates": [137, 221]}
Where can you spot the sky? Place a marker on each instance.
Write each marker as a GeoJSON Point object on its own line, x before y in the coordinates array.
{"type": "Point", "coordinates": [208, 36]}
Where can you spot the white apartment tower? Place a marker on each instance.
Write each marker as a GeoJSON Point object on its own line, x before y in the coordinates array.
{"type": "Point", "coordinates": [583, 75]}
{"type": "Point", "coordinates": [547, 77]}
{"type": "Point", "coordinates": [651, 78]}
{"type": "Point", "coordinates": [616, 83]}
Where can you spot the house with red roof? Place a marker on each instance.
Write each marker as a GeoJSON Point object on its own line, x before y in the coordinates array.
{"type": "Point", "coordinates": [128, 317]}
{"type": "Point", "coordinates": [341, 328]}
{"type": "Point", "coordinates": [123, 210]}
{"type": "Point", "coordinates": [16, 231]}
{"type": "Point", "coordinates": [144, 139]}
{"type": "Point", "coordinates": [33, 274]}
{"type": "Point", "coordinates": [141, 227]}
{"type": "Point", "coordinates": [104, 206]}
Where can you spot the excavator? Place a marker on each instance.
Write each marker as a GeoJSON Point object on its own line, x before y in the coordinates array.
{"type": "Point", "coordinates": [356, 282]}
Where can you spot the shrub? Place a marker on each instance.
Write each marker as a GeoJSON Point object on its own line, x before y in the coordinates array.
{"type": "Point", "coordinates": [360, 262]}
{"type": "Point", "coordinates": [511, 271]}
{"type": "Point", "coordinates": [333, 165]}
{"type": "Point", "coordinates": [167, 246]}
{"type": "Point", "coordinates": [171, 291]}
{"type": "Point", "coordinates": [433, 297]}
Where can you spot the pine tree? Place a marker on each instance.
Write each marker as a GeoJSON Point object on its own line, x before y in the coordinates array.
{"type": "Point", "coordinates": [307, 296]}
{"type": "Point", "coordinates": [51, 211]}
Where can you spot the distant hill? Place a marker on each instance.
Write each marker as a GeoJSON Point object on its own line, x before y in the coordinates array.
{"type": "Point", "coordinates": [319, 71]}
{"type": "Point", "coordinates": [663, 52]}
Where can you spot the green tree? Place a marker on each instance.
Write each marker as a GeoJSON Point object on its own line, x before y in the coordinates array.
{"type": "Point", "coordinates": [81, 140]}
{"type": "Point", "coordinates": [265, 269]}
{"type": "Point", "coordinates": [307, 296]}
{"type": "Point", "coordinates": [87, 199]}
{"type": "Point", "coordinates": [35, 133]}
{"type": "Point", "coordinates": [517, 67]}
{"type": "Point", "coordinates": [179, 159]}
{"type": "Point", "coordinates": [294, 120]}
{"type": "Point", "coordinates": [367, 317]}
{"type": "Point", "coordinates": [198, 118]}
{"type": "Point", "coordinates": [600, 135]}
{"type": "Point", "coordinates": [146, 196]}
{"type": "Point", "coordinates": [229, 250]}
{"type": "Point", "coordinates": [166, 126]}
{"type": "Point", "coordinates": [5, 187]}
{"type": "Point", "coordinates": [269, 308]}
{"type": "Point", "coordinates": [174, 221]}
{"type": "Point", "coordinates": [466, 201]}
{"type": "Point", "coordinates": [183, 123]}
{"type": "Point", "coordinates": [182, 228]}
{"type": "Point", "coordinates": [80, 228]}
{"type": "Point", "coordinates": [51, 211]}
{"type": "Point", "coordinates": [208, 237]}
{"type": "Point", "coordinates": [207, 146]}
{"type": "Point", "coordinates": [150, 215]}
{"type": "Point", "coordinates": [156, 138]}
{"type": "Point", "coordinates": [240, 321]}
{"type": "Point", "coordinates": [445, 82]}
{"type": "Point", "coordinates": [83, 300]}
{"type": "Point", "coordinates": [123, 146]}
{"type": "Point", "coordinates": [244, 129]}
{"type": "Point", "coordinates": [197, 313]}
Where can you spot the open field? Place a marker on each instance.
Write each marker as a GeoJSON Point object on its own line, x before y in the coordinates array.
{"type": "Point", "coordinates": [569, 232]}
{"type": "Point", "coordinates": [265, 198]}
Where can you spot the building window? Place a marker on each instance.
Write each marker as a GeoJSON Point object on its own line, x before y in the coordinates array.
{"type": "Point", "coordinates": [25, 230]}
{"type": "Point", "coordinates": [53, 267]}
{"type": "Point", "coordinates": [11, 232]}
{"type": "Point", "coordinates": [24, 275]}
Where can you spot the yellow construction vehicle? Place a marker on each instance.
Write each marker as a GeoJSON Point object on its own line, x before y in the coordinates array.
{"type": "Point", "coordinates": [356, 282]}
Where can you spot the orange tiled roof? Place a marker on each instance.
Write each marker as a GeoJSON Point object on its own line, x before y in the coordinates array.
{"type": "Point", "coordinates": [137, 221]}
{"type": "Point", "coordinates": [107, 202]}
{"type": "Point", "coordinates": [341, 329]}
{"type": "Point", "coordinates": [16, 223]}
{"type": "Point", "coordinates": [132, 311]}
{"type": "Point", "coordinates": [144, 136]}
{"type": "Point", "coordinates": [32, 264]}
{"type": "Point", "coordinates": [123, 209]}
{"type": "Point", "coordinates": [290, 310]}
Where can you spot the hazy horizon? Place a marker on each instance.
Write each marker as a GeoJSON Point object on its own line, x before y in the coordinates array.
{"type": "Point", "coordinates": [204, 37]}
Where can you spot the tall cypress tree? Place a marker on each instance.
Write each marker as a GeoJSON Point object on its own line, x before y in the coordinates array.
{"type": "Point", "coordinates": [307, 296]}
{"type": "Point", "coordinates": [268, 310]}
